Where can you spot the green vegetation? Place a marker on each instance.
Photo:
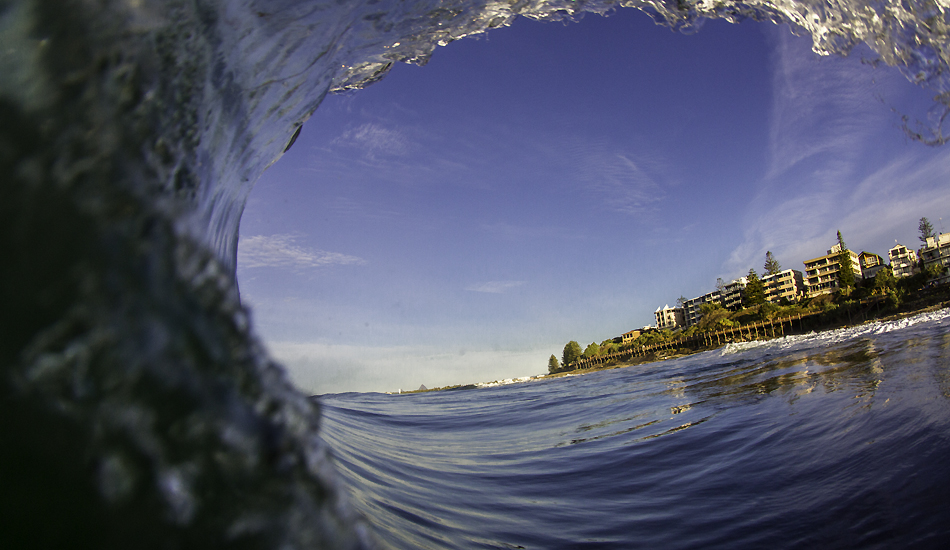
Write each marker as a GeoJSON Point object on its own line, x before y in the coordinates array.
{"type": "Point", "coordinates": [846, 270]}
{"type": "Point", "coordinates": [926, 230]}
{"type": "Point", "coordinates": [857, 300]}
{"type": "Point", "coordinates": [754, 290]}
{"type": "Point", "coordinates": [572, 352]}
{"type": "Point", "coordinates": [772, 267]}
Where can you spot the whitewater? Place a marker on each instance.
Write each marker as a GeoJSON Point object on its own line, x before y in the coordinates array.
{"type": "Point", "coordinates": [140, 410]}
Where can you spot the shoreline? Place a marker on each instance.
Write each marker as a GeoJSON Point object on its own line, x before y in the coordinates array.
{"type": "Point", "coordinates": [673, 353]}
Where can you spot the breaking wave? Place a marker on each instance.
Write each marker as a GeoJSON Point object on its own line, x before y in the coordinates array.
{"type": "Point", "coordinates": [138, 407]}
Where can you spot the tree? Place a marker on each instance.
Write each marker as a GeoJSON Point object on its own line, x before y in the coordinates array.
{"type": "Point", "coordinates": [845, 269]}
{"type": "Point", "coordinates": [772, 267]}
{"type": "Point", "coordinates": [553, 365]}
{"type": "Point", "coordinates": [591, 350]}
{"type": "Point", "coordinates": [720, 286]}
{"type": "Point", "coordinates": [572, 352]}
{"type": "Point", "coordinates": [681, 302]}
{"type": "Point", "coordinates": [926, 230]}
{"type": "Point", "coordinates": [884, 281]}
{"type": "Point", "coordinates": [754, 290]}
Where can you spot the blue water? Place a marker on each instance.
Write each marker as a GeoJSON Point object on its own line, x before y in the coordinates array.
{"type": "Point", "coordinates": [834, 440]}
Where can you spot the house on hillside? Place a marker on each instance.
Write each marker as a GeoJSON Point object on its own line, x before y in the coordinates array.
{"type": "Point", "coordinates": [870, 264]}
{"type": "Point", "coordinates": [630, 336]}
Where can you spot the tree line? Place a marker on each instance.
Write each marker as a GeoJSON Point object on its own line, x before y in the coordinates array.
{"type": "Point", "coordinates": [755, 308]}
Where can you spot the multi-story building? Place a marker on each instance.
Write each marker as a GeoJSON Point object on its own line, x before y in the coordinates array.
{"type": "Point", "coordinates": [937, 252]}
{"type": "Point", "coordinates": [668, 317]}
{"type": "Point", "coordinates": [904, 261]}
{"type": "Point", "coordinates": [870, 264]}
{"type": "Point", "coordinates": [732, 294]}
{"type": "Point", "coordinates": [788, 285]}
{"type": "Point", "coordinates": [691, 311]}
{"type": "Point", "coordinates": [821, 274]}
{"type": "Point", "coordinates": [729, 297]}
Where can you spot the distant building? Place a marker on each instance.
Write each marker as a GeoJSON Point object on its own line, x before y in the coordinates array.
{"type": "Point", "coordinates": [821, 274]}
{"type": "Point", "coordinates": [937, 252]}
{"type": "Point", "coordinates": [691, 311]}
{"type": "Point", "coordinates": [904, 261]}
{"type": "Point", "coordinates": [788, 285]}
{"type": "Point", "coordinates": [732, 294]}
{"type": "Point", "coordinates": [668, 317]}
{"type": "Point", "coordinates": [730, 297]}
{"type": "Point", "coordinates": [870, 263]}
{"type": "Point", "coordinates": [630, 336]}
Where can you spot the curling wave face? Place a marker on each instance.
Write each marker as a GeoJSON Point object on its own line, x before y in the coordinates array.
{"type": "Point", "coordinates": [138, 407]}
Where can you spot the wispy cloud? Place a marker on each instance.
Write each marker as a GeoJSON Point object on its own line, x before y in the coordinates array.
{"type": "Point", "coordinates": [825, 119]}
{"type": "Point", "coordinates": [376, 139]}
{"type": "Point", "coordinates": [495, 287]}
{"type": "Point", "coordinates": [618, 179]}
{"type": "Point", "coordinates": [283, 251]}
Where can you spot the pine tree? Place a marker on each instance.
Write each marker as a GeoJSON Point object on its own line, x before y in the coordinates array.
{"type": "Point", "coordinates": [553, 365]}
{"type": "Point", "coordinates": [926, 230]}
{"type": "Point", "coordinates": [772, 267]}
{"type": "Point", "coordinates": [845, 269]}
{"type": "Point", "coordinates": [754, 290]}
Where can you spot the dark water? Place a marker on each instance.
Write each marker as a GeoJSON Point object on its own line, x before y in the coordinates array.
{"type": "Point", "coordinates": [837, 440]}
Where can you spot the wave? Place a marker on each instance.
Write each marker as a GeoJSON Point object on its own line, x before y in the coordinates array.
{"type": "Point", "coordinates": [139, 408]}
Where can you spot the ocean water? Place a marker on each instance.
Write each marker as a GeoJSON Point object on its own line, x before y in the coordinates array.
{"type": "Point", "coordinates": [139, 410]}
{"type": "Point", "coordinates": [833, 440]}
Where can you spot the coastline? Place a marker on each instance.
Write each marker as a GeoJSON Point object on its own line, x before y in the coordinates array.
{"type": "Point", "coordinates": [674, 353]}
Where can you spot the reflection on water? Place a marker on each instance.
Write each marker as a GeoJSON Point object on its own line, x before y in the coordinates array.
{"type": "Point", "coordinates": [831, 440]}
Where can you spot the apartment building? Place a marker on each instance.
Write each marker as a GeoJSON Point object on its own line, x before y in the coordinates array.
{"type": "Point", "coordinates": [937, 252]}
{"type": "Point", "coordinates": [691, 312]}
{"type": "Point", "coordinates": [669, 317]}
{"type": "Point", "coordinates": [732, 294]}
{"type": "Point", "coordinates": [788, 285]}
{"type": "Point", "coordinates": [821, 274]}
{"type": "Point", "coordinates": [904, 261]}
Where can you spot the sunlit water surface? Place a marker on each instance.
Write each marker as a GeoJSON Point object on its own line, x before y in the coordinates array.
{"type": "Point", "coordinates": [831, 440]}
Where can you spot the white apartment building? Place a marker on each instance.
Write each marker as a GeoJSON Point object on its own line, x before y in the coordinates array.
{"type": "Point", "coordinates": [668, 317]}
{"type": "Point", "coordinates": [821, 274]}
{"type": "Point", "coordinates": [691, 312]}
{"type": "Point", "coordinates": [788, 284]}
{"type": "Point", "coordinates": [937, 252]}
{"type": "Point", "coordinates": [904, 261]}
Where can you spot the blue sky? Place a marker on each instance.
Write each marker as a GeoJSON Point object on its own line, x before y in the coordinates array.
{"type": "Point", "coordinates": [460, 222]}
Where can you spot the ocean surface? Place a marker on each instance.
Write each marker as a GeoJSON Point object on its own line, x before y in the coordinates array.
{"type": "Point", "coordinates": [830, 440]}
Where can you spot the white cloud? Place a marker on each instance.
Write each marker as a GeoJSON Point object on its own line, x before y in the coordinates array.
{"type": "Point", "coordinates": [282, 251]}
{"type": "Point", "coordinates": [376, 139]}
{"type": "Point", "coordinates": [495, 287]}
